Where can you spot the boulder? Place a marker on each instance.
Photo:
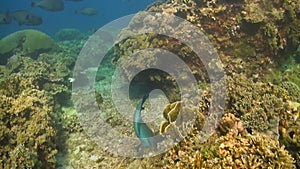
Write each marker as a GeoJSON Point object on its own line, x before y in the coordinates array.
{"type": "Point", "coordinates": [26, 42]}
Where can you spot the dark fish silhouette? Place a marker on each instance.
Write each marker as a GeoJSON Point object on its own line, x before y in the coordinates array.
{"type": "Point", "coordinates": [5, 18]}
{"type": "Point", "coordinates": [142, 131]}
{"type": "Point", "coordinates": [87, 11]}
{"type": "Point", "coordinates": [24, 17]}
{"type": "Point", "coordinates": [50, 5]}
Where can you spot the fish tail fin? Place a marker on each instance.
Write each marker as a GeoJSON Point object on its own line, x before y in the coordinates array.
{"type": "Point", "coordinates": [76, 11]}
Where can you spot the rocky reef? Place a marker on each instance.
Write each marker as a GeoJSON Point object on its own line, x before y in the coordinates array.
{"type": "Point", "coordinates": [27, 129]}
{"type": "Point", "coordinates": [258, 104]}
{"type": "Point", "coordinates": [32, 92]}
{"type": "Point", "coordinates": [253, 39]}
{"type": "Point", "coordinates": [230, 151]}
{"type": "Point", "coordinates": [257, 42]}
{"type": "Point", "coordinates": [253, 31]}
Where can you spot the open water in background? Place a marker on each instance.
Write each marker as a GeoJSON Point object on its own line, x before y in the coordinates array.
{"type": "Point", "coordinates": [54, 21]}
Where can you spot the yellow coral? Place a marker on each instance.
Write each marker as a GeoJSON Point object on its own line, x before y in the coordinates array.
{"type": "Point", "coordinates": [163, 127]}
{"type": "Point", "coordinates": [171, 111]}
{"type": "Point", "coordinates": [295, 108]}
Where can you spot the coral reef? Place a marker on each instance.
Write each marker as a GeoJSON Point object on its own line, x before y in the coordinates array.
{"type": "Point", "coordinates": [289, 131]}
{"type": "Point", "coordinates": [27, 129]}
{"type": "Point", "coordinates": [287, 71]}
{"type": "Point", "coordinates": [238, 143]}
{"type": "Point", "coordinates": [32, 89]}
{"type": "Point", "coordinates": [291, 72]}
{"type": "Point", "coordinates": [252, 39]}
{"type": "Point", "coordinates": [235, 151]}
{"type": "Point", "coordinates": [230, 151]}
{"type": "Point", "coordinates": [293, 90]}
{"type": "Point", "coordinates": [228, 122]}
{"type": "Point", "coordinates": [171, 111]}
{"type": "Point", "coordinates": [258, 126]}
{"type": "Point", "coordinates": [258, 32]}
{"type": "Point", "coordinates": [50, 72]}
{"type": "Point", "coordinates": [258, 105]}
{"type": "Point", "coordinates": [68, 34]}
{"type": "Point", "coordinates": [290, 137]}
{"type": "Point", "coordinates": [24, 42]}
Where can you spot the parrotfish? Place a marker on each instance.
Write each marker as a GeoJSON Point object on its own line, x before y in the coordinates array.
{"type": "Point", "coordinates": [142, 131]}
{"type": "Point", "coordinates": [5, 18]}
{"type": "Point", "coordinates": [24, 17]}
{"type": "Point", "coordinates": [49, 5]}
{"type": "Point", "coordinates": [87, 11]}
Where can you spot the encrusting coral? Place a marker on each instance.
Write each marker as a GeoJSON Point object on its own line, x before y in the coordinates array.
{"type": "Point", "coordinates": [293, 90]}
{"type": "Point", "coordinates": [31, 89]}
{"type": "Point", "coordinates": [250, 37]}
{"type": "Point", "coordinates": [230, 151]}
{"type": "Point", "coordinates": [252, 151]}
{"type": "Point", "coordinates": [258, 104]}
{"type": "Point", "coordinates": [258, 125]}
{"type": "Point", "coordinates": [27, 129]}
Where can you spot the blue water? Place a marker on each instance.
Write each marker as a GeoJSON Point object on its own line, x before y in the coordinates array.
{"type": "Point", "coordinates": [54, 21]}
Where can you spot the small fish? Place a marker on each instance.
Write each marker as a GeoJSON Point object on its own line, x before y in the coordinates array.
{"type": "Point", "coordinates": [87, 11]}
{"type": "Point", "coordinates": [24, 17]}
{"type": "Point", "coordinates": [5, 18]}
{"type": "Point", "coordinates": [49, 5]}
{"type": "Point", "coordinates": [142, 131]}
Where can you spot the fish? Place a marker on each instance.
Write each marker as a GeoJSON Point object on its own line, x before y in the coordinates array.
{"type": "Point", "coordinates": [24, 17]}
{"type": "Point", "coordinates": [87, 11]}
{"type": "Point", "coordinates": [142, 130]}
{"type": "Point", "coordinates": [49, 5]}
{"type": "Point", "coordinates": [5, 18]}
